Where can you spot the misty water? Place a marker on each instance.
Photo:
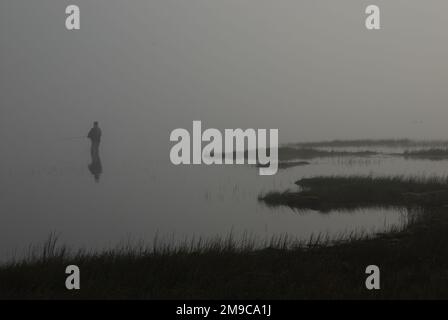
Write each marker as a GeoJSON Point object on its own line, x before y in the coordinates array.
{"type": "Point", "coordinates": [143, 197]}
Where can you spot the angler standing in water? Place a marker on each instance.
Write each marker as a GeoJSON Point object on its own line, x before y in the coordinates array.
{"type": "Point", "coordinates": [95, 166]}
{"type": "Point", "coordinates": [95, 137]}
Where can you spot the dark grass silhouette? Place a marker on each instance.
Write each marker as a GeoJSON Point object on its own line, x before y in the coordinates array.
{"type": "Point", "coordinates": [373, 143]}
{"type": "Point", "coordinates": [334, 192]}
{"type": "Point", "coordinates": [430, 154]}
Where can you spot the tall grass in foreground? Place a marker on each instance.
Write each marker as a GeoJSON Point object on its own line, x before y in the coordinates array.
{"type": "Point", "coordinates": [53, 251]}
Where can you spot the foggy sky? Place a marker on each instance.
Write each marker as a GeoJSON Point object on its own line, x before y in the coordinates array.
{"type": "Point", "coordinates": [145, 67]}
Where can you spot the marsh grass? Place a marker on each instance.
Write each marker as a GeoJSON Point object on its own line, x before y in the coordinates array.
{"type": "Point", "coordinates": [431, 154]}
{"type": "Point", "coordinates": [393, 143]}
{"type": "Point", "coordinates": [52, 250]}
{"type": "Point", "coordinates": [332, 192]}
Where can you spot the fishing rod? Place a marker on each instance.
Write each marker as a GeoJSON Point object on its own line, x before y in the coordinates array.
{"type": "Point", "coordinates": [75, 138]}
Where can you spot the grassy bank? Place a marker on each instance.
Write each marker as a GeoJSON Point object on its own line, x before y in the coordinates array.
{"type": "Point", "coordinates": [431, 154]}
{"type": "Point", "coordinates": [373, 143]}
{"type": "Point", "coordinates": [413, 263]}
{"type": "Point", "coordinates": [326, 193]}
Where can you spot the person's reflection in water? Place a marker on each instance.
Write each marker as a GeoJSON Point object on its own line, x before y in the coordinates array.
{"type": "Point", "coordinates": [95, 166]}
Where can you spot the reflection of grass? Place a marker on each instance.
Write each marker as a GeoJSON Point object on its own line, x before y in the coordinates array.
{"type": "Point", "coordinates": [287, 164]}
{"type": "Point", "coordinates": [287, 153]}
{"type": "Point", "coordinates": [326, 193]}
{"type": "Point", "coordinates": [413, 264]}
{"type": "Point", "coordinates": [290, 164]}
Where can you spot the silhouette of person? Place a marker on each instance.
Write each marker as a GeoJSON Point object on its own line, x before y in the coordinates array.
{"type": "Point", "coordinates": [95, 138]}
{"type": "Point", "coordinates": [95, 166]}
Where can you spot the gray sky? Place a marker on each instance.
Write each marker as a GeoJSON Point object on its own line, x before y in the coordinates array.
{"type": "Point", "coordinates": [145, 67]}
